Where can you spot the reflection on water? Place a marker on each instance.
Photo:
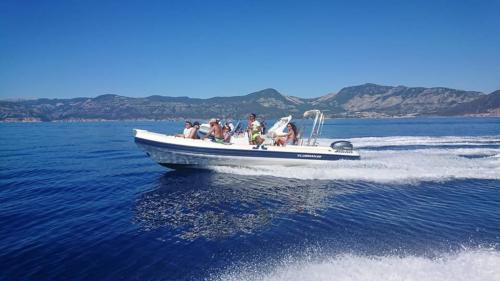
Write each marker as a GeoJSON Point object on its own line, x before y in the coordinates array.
{"type": "Point", "coordinates": [202, 203]}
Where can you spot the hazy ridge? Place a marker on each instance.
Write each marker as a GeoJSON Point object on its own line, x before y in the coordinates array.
{"type": "Point", "coordinates": [367, 100]}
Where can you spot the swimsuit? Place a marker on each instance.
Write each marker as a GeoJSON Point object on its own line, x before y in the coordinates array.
{"type": "Point", "coordinates": [218, 140]}
{"type": "Point", "coordinates": [255, 129]}
{"type": "Point", "coordinates": [254, 136]}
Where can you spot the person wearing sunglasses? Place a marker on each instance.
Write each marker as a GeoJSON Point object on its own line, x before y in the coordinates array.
{"type": "Point", "coordinates": [188, 130]}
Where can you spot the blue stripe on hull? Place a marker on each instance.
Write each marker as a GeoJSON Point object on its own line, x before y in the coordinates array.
{"type": "Point", "coordinates": [246, 153]}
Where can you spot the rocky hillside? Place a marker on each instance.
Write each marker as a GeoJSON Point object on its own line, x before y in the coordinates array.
{"type": "Point", "coordinates": [486, 105]}
{"type": "Point", "coordinates": [368, 100]}
{"type": "Point", "coordinates": [376, 100]}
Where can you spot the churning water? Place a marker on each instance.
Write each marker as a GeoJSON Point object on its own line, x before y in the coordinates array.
{"type": "Point", "coordinates": [80, 201]}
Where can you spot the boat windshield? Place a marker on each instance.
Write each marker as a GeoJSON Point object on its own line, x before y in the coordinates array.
{"type": "Point", "coordinates": [279, 126]}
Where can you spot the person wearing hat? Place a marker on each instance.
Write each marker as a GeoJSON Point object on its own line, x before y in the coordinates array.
{"type": "Point", "coordinates": [215, 131]}
{"type": "Point", "coordinates": [194, 133]}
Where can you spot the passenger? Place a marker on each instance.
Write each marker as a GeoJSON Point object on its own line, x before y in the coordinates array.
{"type": "Point", "coordinates": [188, 129]}
{"type": "Point", "coordinates": [194, 132]}
{"type": "Point", "coordinates": [289, 138]}
{"type": "Point", "coordinates": [226, 131]}
{"type": "Point", "coordinates": [254, 130]}
{"type": "Point", "coordinates": [215, 131]}
{"type": "Point", "coordinates": [237, 129]}
{"type": "Point", "coordinates": [231, 126]}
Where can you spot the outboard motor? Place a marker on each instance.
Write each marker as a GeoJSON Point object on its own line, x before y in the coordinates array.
{"type": "Point", "coordinates": [342, 146]}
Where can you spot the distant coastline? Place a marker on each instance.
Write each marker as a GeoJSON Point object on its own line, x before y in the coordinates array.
{"type": "Point", "coordinates": [34, 120]}
{"type": "Point", "coordinates": [362, 101]}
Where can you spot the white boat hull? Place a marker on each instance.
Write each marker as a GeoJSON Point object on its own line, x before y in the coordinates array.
{"type": "Point", "coordinates": [175, 152]}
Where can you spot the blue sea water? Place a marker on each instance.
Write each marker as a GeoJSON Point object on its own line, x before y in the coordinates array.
{"type": "Point", "coordinates": [80, 201]}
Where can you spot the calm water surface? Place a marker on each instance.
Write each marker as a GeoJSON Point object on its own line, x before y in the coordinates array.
{"type": "Point", "coordinates": [80, 201]}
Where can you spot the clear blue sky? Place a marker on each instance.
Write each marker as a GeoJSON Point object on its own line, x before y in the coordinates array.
{"type": "Point", "coordinates": [220, 48]}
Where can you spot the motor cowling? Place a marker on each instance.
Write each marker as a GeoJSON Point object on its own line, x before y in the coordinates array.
{"type": "Point", "coordinates": [342, 145]}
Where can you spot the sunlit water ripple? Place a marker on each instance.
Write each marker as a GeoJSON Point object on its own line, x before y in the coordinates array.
{"type": "Point", "coordinates": [80, 201]}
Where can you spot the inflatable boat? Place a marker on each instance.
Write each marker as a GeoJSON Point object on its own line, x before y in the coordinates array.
{"type": "Point", "coordinates": [178, 152]}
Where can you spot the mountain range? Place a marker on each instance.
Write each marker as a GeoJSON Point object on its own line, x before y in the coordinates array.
{"type": "Point", "coordinates": [367, 100]}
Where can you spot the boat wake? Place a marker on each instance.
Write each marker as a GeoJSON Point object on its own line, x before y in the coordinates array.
{"type": "Point", "coordinates": [400, 160]}
{"type": "Point", "coordinates": [426, 141]}
{"type": "Point", "coordinates": [479, 264]}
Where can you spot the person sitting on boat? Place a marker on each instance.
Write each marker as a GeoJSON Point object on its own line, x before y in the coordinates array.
{"type": "Point", "coordinates": [188, 129]}
{"type": "Point", "coordinates": [254, 130]}
{"type": "Point", "coordinates": [227, 132]}
{"type": "Point", "coordinates": [194, 132]}
{"type": "Point", "coordinates": [231, 126]}
{"type": "Point", "coordinates": [290, 138]}
{"type": "Point", "coordinates": [263, 126]}
{"type": "Point", "coordinates": [215, 132]}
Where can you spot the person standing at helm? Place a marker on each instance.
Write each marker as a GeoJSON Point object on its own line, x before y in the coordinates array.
{"type": "Point", "coordinates": [254, 129]}
{"type": "Point", "coordinates": [215, 131]}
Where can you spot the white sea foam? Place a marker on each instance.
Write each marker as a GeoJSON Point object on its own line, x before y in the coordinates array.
{"type": "Point", "coordinates": [420, 140]}
{"type": "Point", "coordinates": [468, 265]}
{"type": "Point", "coordinates": [433, 163]}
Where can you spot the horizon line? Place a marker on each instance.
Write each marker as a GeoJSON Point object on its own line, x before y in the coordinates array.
{"type": "Point", "coordinates": [13, 99]}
